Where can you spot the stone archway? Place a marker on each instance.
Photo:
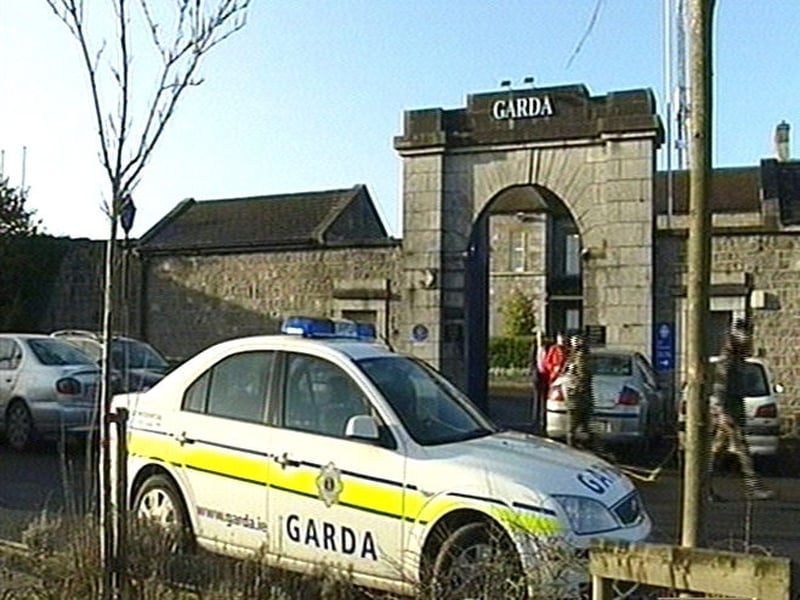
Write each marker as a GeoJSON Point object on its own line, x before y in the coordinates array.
{"type": "Point", "coordinates": [541, 218]}
{"type": "Point", "coordinates": [595, 154]}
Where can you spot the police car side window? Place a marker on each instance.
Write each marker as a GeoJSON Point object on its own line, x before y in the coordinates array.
{"type": "Point", "coordinates": [194, 399]}
{"type": "Point", "coordinates": [234, 388]}
{"type": "Point", "coordinates": [319, 397]}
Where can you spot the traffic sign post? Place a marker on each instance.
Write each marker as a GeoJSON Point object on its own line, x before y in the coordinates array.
{"type": "Point", "coordinates": [664, 347]}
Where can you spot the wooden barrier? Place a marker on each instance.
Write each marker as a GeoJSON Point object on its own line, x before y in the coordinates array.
{"type": "Point", "coordinates": [678, 569]}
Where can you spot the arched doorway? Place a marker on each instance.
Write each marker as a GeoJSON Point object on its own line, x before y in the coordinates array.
{"type": "Point", "coordinates": [525, 239]}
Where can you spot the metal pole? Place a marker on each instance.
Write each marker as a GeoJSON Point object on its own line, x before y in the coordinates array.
{"type": "Point", "coordinates": [699, 272]}
{"type": "Point", "coordinates": [121, 500]}
{"type": "Point", "coordinates": [668, 103]}
{"type": "Point", "coordinates": [108, 590]}
{"type": "Point", "coordinates": [387, 321]}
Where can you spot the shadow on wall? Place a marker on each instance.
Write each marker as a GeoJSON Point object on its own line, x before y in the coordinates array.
{"type": "Point", "coordinates": [181, 321]}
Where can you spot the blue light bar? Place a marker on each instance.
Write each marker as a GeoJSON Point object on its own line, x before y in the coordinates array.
{"type": "Point", "coordinates": [366, 331]}
{"type": "Point", "coordinates": [322, 327]}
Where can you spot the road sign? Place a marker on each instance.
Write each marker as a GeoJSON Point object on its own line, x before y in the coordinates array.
{"type": "Point", "coordinates": [664, 347]}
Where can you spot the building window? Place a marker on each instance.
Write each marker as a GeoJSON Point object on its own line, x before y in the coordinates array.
{"type": "Point", "coordinates": [572, 319]}
{"type": "Point", "coordinates": [572, 254]}
{"type": "Point", "coordinates": [518, 249]}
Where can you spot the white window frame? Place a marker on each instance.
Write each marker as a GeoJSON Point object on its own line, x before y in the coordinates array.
{"type": "Point", "coordinates": [518, 251]}
{"type": "Point", "coordinates": [572, 254]}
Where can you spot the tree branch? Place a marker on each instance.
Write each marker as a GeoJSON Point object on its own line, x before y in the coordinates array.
{"type": "Point", "coordinates": [198, 26]}
{"type": "Point", "coordinates": [71, 14]}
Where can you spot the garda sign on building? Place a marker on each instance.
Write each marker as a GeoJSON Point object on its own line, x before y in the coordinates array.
{"type": "Point", "coordinates": [524, 107]}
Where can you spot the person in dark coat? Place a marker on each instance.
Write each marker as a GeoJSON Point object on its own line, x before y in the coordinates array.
{"type": "Point", "coordinates": [728, 412]}
{"type": "Point", "coordinates": [579, 395]}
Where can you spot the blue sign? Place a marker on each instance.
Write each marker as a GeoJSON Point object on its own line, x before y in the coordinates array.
{"type": "Point", "coordinates": [664, 347]}
{"type": "Point", "coordinates": [419, 333]}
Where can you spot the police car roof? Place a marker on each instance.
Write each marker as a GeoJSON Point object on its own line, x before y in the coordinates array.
{"type": "Point", "coordinates": [353, 348]}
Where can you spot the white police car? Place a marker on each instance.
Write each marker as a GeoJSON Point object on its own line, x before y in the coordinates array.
{"type": "Point", "coordinates": [322, 448]}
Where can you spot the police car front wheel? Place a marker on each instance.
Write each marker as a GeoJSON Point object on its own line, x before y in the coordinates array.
{"type": "Point", "coordinates": [159, 502]}
{"type": "Point", "coordinates": [478, 560]}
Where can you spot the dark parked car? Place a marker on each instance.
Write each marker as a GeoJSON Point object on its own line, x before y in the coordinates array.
{"type": "Point", "coordinates": [140, 366]}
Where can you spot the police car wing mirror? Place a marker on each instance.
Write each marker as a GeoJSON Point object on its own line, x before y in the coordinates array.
{"type": "Point", "coordinates": [779, 388]}
{"type": "Point", "coordinates": [362, 427]}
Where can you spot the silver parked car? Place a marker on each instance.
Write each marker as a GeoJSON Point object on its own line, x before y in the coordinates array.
{"type": "Point", "coordinates": [48, 388]}
{"type": "Point", "coordinates": [629, 405]}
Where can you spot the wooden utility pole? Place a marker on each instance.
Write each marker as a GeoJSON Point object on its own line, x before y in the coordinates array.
{"type": "Point", "coordinates": [699, 271]}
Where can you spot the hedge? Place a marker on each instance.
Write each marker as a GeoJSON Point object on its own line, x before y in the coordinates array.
{"type": "Point", "coordinates": [510, 352]}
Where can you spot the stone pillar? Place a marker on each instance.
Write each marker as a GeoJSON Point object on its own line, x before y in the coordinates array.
{"type": "Point", "coordinates": [420, 322]}
{"type": "Point", "coordinates": [618, 277]}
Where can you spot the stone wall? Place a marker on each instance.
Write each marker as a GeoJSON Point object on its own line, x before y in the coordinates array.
{"type": "Point", "coordinates": [768, 266]}
{"type": "Point", "coordinates": [195, 301]}
{"type": "Point", "coordinates": [76, 298]}
{"type": "Point", "coordinates": [772, 261]}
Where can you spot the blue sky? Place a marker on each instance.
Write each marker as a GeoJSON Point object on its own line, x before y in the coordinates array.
{"type": "Point", "coordinates": [310, 95]}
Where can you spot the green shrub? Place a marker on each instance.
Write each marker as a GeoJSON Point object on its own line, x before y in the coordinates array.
{"type": "Point", "coordinates": [519, 316]}
{"type": "Point", "coordinates": [510, 352]}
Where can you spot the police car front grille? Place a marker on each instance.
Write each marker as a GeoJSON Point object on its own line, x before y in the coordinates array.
{"type": "Point", "coordinates": [629, 511]}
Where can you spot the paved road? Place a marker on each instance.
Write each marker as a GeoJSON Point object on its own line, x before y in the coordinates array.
{"type": "Point", "coordinates": [770, 527]}
{"type": "Point", "coordinates": [41, 480]}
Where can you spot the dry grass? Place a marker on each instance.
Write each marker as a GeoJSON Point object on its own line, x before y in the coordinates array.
{"type": "Point", "coordinates": [62, 562]}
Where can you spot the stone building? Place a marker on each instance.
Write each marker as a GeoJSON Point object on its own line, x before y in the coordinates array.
{"type": "Point", "coordinates": [553, 191]}
{"type": "Point", "coordinates": [219, 269]}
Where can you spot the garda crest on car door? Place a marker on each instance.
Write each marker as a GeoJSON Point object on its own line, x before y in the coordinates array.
{"type": "Point", "coordinates": [219, 444]}
{"type": "Point", "coordinates": [333, 499]}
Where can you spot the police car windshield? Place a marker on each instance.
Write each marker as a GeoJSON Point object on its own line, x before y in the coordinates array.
{"type": "Point", "coordinates": [432, 410]}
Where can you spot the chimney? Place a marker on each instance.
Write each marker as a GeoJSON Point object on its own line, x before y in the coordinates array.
{"type": "Point", "coordinates": [782, 142]}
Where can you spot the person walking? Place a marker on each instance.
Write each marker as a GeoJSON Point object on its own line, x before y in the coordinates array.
{"type": "Point", "coordinates": [728, 413]}
{"type": "Point", "coordinates": [578, 393]}
{"type": "Point", "coordinates": [539, 395]}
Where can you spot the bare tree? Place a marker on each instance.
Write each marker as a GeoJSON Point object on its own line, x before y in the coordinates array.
{"type": "Point", "coordinates": [197, 26]}
{"type": "Point", "coordinates": [180, 35]}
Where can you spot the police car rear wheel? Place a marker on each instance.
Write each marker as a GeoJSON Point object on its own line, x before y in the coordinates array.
{"type": "Point", "coordinates": [159, 502]}
{"type": "Point", "coordinates": [477, 560]}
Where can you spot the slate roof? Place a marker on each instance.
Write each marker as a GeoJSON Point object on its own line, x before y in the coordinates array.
{"type": "Point", "coordinates": [299, 220]}
{"type": "Point", "coordinates": [733, 190]}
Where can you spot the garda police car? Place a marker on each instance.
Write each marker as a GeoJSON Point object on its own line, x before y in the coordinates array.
{"type": "Point", "coordinates": [318, 447]}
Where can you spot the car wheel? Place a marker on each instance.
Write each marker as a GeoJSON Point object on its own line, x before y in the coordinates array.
{"type": "Point", "coordinates": [159, 502]}
{"type": "Point", "coordinates": [19, 426]}
{"type": "Point", "coordinates": [478, 560]}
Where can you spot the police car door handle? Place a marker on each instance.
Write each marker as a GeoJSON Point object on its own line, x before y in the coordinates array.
{"type": "Point", "coordinates": [284, 461]}
{"type": "Point", "coordinates": [182, 438]}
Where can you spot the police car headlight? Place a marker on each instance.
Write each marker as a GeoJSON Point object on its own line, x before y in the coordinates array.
{"type": "Point", "coordinates": [586, 515]}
